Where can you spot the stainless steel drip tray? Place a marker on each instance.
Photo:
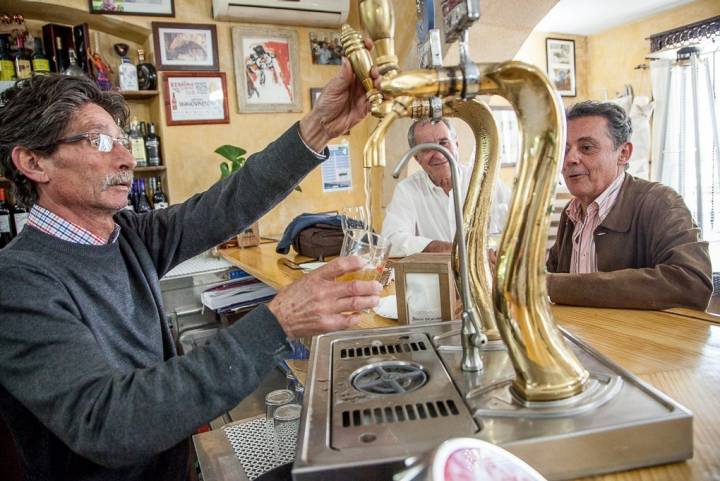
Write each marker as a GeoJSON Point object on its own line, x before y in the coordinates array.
{"type": "Point", "coordinates": [376, 397]}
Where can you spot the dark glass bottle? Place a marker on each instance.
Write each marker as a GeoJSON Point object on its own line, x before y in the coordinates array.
{"type": "Point", "coordinates": [159, 198]}
{"type": "Point", "coordinates": [143, 205]}
{"type": "Point", "coordinates": [7, 63]}
{"type": "Point", "coordinates": [5, 229]}
{"type": "Point", "coordinates": [20, 216]}
{"type": "Point", "coordinates": [146, 73]}
{"type": "Point", "coordinates": [73, 69]}
{"type": "Point", "coordinates": [152, 144]}
{"type": "Point", "coordinates": [23, 67]}
{"type": "Point", "coordinates": [60, 57]}
{"type": "Point", "coordinates": [40, 62]}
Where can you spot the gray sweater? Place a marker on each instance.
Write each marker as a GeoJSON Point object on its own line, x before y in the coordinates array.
{"type": "Point", "coordinates": [90, 384]}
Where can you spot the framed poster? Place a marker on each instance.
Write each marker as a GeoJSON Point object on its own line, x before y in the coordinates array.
{"type": "Point", "coordinates": [185, 46]}
{"type": "Point", "coordinates": [156, 8]}
{"type": "Point", "coordinates": [314, 96]}
{"type": "Point", "coordinates": [509, 130]}
{"type": "Point", "coordinates": [561, 65]}
{"type": "Point", "coordinates": [195, 98]}
{"type": "Point", "coordinates": [266, 69]}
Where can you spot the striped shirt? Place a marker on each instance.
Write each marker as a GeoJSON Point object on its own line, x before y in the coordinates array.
{"type": "Point", "coordinates": [583, 254]}
{"type": "Point", "coordinates": [54, 225]}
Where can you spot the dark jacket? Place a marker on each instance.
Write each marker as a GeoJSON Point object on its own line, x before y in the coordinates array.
{"type": "Point", "coordinates": [648, 250]}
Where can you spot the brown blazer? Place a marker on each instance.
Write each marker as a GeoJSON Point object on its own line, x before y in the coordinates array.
{"type": "Point", "coordinates": [648, 252]}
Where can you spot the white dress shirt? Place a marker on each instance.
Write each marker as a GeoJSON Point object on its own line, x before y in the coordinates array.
{"type": "Point", "coordinates": [420, 212]}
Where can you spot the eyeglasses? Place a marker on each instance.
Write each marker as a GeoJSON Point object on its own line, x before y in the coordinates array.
{"type": "Point", "coordinates": [102, 142]}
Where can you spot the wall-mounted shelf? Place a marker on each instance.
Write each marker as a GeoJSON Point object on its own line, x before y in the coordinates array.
{"type": "Point", "coordinates": [53, 13]}
{"type": "Point", "coordinates": [139, 94]}
{"type": "Point", "coordinates": [149, 170]}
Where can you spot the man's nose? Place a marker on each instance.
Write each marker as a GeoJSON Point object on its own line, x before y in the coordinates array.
{"type": "Point", "coordinates": [571, 156]}
{"type": "Point", "coordinates": [123, 157]}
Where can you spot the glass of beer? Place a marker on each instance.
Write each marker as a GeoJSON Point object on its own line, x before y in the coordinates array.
{"type": "Point", "coordinates": [370, 247]}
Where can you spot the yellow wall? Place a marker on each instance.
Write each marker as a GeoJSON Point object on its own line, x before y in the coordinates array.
{"type": "Point", "coordinates": [614, 54]}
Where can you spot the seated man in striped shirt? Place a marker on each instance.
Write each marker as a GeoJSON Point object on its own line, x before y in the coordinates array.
{"type": "Point", "coordinates": [622, 241]}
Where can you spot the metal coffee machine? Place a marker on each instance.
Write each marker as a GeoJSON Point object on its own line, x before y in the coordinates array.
{"type": "Point", "coordinates": [505, 373]}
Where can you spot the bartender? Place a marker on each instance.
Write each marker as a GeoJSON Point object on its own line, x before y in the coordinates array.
{"type": "Point", "coordinates": [90, 383]}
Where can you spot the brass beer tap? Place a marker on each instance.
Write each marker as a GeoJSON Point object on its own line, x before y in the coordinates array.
{"type": "Point", "coordinates": [545, 367]}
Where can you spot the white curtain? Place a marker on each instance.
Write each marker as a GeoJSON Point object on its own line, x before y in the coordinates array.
{"type": "Point", "coordinates": [685, 137]}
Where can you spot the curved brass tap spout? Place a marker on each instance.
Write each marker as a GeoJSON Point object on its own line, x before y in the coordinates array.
{"type": "Point", "coordinates": [545, 367]}
{"type": "Point", "coordinates": [476, 211]}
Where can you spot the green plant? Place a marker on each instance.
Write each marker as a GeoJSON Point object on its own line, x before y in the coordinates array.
{"type": "Point", "coordinates": [236, 159]}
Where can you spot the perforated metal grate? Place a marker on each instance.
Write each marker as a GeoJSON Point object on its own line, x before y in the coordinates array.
{"type": "Point", "coordinates": [381, 349]}
{"type": "Point", "coordinates": [259, 447]}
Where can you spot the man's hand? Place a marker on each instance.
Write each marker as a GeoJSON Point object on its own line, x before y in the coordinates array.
{"type": "Point", "coordinates": [317, 303]}
{"type": "Point", "coordinates": [341, 105]}
{"type": "Point", "coordinates": [438, 246]}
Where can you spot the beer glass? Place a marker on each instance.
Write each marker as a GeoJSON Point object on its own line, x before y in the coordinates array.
{"type": "Point", "coordinates": [370, 247]}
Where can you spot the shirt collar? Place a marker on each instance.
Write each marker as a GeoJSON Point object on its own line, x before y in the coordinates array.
{"type": "Point", "coordinates": [54, 225]}
{"type": "Point", "coordinates": [574, 210]}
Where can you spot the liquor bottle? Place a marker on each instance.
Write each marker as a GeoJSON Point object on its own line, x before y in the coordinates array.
{"type": "Point", "coordinates": [5, 229]}
{"type": "Point", "coordinates": [146, 73]}
{"type": "Point", "coordinates": [20, 216]}
{"type": "Point", "coordinates": [152, 144]}
{"type": "Point", "coordinates": [128, 79]}
{"type": "Point", "coordinates": [40, 62]}
{"type": "Point", "coordinates": [73, 69]}
{"type": "Point", "coordinates": [143, 205]}
{"type": "Point", "coordinates": [137, 143]}
{"type": "Point", "coordinates": [23, 68]}
{"type": "Point", "coordinates": [7, 63]}
{"type": "Point", "coordinates": [60, 56]}
{"type": "Point", "coordinates": [159, 198]}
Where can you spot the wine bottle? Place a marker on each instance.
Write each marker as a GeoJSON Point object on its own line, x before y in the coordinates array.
{"type": "Point", "coordinates": [143, 204]}
{"type": "Point", "coordinates": [20, 216]}
{"type": "Point", "coordinates": [152, 143]}
{"type": "Point", "coordinates": [146, 73]}
{"type": "Point", "coordinates": [60, 57]}
{"type": "Point", "coordinates": [137, 143]}
{"type": "Point", "coordinates": [40, 62]}
{"type": "Point", "coordinates": [128, 79]}
{"type": "Point", "coordinates": [5, 229]}
{"type": "Point", "coordinates": [7, 63]}
{"type": "Point", "coordinates": [73, 69]}
{"type": "Point", "coordinates": [159, 198]}
{"type": "Point", "coordinates": [23, 68]}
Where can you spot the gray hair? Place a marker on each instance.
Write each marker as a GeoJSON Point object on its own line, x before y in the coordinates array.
{"type": "Point", "coordinates": [35, 113]}
{"type": "Point", "coordinates": [618, 122]}
{"type": "Point", "coordinates": [419, 123]}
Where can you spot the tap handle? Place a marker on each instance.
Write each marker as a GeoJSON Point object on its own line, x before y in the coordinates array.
{"type": "Point", "coordinates": [378, 20]}
{"type": "Point", "coordinates": [361, 62]}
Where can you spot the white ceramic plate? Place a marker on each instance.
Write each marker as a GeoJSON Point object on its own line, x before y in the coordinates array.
{"type": "Point", "coordinates": [387, 307]}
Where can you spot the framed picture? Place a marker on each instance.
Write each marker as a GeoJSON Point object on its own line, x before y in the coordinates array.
{"type": "Point", "coordinates": [185, 46]}
{"type": "Point", "coordinates": [561, 65]}
{"type": "Point", "coordinates": [326, 48]}
{"type": "Point", "coordinates": [156, 8]}
{"type": "Point", "coordinates": [314, 95]}
{"type": "Point", "coordinates": [195, 98]}
{"type": "Point", "coordinates": [266, 69]}
{"type": "Point", "coordinates": [507, 124]}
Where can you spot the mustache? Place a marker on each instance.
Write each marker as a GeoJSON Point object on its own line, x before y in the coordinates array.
{"type": "Point", "coordinates": [575, 172]}
{"type": "Point", "coordinates": [124, 177]}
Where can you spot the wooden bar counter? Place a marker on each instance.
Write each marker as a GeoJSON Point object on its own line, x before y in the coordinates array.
{"type": "Point", "coordinates": [677, 351]}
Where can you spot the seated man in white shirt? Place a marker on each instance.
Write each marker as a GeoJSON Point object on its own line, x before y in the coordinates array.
{"type": "Point", "coordinates": [420, 216]}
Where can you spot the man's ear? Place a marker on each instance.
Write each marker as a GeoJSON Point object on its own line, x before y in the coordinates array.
{"type": "Point", "coordinates": [626, 151]}
{"type": "Point", "coordinates": [28, 163]}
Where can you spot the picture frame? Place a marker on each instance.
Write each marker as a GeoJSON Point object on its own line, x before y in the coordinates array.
{"type": "Point", "coordinates": [325, 48]}
{"type": "Point", "coordinates": [155, 8]}
{"type": "Point", "coordinates": [314, 96]}
{"type": "Point", "coordinates": [266, 69]}
{"type": "Point", "coordinates": [560, 58]}
{"type": "Point", "coordinates": [185, 46]}
{"type": "Point", "coordinates": [509, 130]}
{"type": "Point", "coordinates": [193, 98]}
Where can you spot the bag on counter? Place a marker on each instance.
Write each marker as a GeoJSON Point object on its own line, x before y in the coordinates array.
{"type": "Point", "coordinates": [319, 241]}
